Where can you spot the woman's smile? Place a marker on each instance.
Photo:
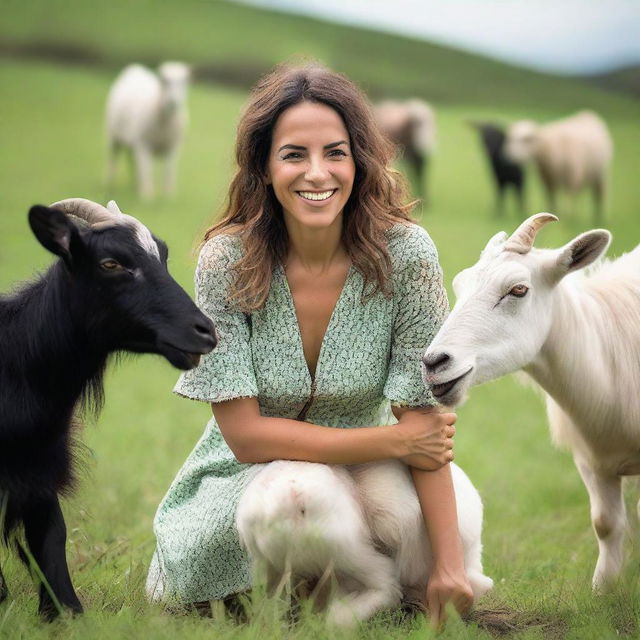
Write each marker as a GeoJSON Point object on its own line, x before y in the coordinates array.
{"type": "Point", "coordinates": [316, 196]}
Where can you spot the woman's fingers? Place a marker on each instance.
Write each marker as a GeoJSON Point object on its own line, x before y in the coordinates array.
{"type": "Point", "coordinates": [463, 603]}
{"type": "Point", "coordinates": [437, 607]}
{"type": "Point", "coordinates": [436, 611]}
{"type": "Point", "coordinates": [449, 418]}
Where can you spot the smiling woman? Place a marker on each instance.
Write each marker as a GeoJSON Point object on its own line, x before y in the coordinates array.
{"type": "Point", "coordinates": [312, 177]}
{"type": "Point", "coordinates": [324, 295]}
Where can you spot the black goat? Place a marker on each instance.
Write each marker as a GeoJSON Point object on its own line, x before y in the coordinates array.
{"type": "Point", "coordinates": [505, 172]}
{"type": "Point", "coordinates": [110, 291]}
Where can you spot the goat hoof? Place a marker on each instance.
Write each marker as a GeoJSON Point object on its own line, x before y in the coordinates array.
{"type": "Point", "coordinates": [49, 612]}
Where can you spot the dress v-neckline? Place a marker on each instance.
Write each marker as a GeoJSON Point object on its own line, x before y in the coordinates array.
{"type": "Point", "coordinates": [292, 307]}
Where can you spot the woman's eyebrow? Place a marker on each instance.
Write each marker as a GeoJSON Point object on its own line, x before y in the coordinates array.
{"type": "Point", "coordinates": [335, 144]}
{"type": "Point", "coordinates": [298, 147]}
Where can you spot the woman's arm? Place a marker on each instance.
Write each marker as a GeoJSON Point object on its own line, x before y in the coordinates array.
{"type": "Point", "coordinates": [421, 436]}
{"type": "Point", "coordinates": [448, 579]}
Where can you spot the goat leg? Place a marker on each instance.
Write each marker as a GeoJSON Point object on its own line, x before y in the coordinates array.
{"type": "Point", "coordinates": [4, 592]}
{"type": "Point", "coordinates": [46, 536]}
{"type": "Point", "coordinates": [144, 170]}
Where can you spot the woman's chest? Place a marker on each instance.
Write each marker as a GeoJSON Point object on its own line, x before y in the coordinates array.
{"type": "Point", "coordinates": [314, 301]}
{"type": "Point", "coordinates": [349, 340]}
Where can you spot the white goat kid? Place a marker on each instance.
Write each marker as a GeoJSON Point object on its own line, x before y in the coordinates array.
{"type": "Point", "coordinates": [147, 114]}
{"type": "Point", "coordinates": [360, 526]}
{"type": "Point", "coordinates": [576, 336]}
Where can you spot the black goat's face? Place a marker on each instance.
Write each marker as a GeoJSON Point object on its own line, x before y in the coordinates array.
{"type": "Point", "coordinates": [126, 297]}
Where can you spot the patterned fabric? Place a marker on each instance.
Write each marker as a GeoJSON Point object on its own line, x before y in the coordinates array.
{"type": "Point", "coordinates": [370, 358]}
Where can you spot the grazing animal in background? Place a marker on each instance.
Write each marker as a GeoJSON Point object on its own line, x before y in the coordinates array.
{"type": "Point", "coordinates": [412, 126]}
{"type": "Point", "coordinates": [576, 335]}
{"type": "Point", "coordinates": [109, 291]}
{"type": "Point", "coordinates": [571, 155]}
{"type": "Point", "coordinates": [506, 173]}
{"type": "Point", "coordinates": [147, 114]}
{"type": "Point", "coordinates": [359, 525]}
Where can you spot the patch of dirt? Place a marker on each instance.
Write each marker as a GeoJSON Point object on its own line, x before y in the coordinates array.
{"type": "Point", "coordinates": [500, 622]}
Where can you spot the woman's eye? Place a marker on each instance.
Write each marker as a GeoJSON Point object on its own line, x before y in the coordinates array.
{"type": "Point", "coordinates": [337, 153]}
{"type": "Point", "coordinates": [294, 155]}
{"type": "Point", "coordinates": [110, 265]}
{"type": "Point", "coordinates": [519, 290]}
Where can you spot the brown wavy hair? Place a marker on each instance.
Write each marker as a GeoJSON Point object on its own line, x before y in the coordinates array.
{"type": "Point", "coordinates": [377, 201]}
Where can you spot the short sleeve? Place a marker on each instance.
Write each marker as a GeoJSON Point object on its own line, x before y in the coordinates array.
{"type": "Point", "coordinates": [420, 307]}
{"type": "Point", "coordinates": [227, 371]}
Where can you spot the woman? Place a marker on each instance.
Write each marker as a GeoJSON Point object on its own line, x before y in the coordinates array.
{"type": "Point", "coordinates": [324, 296]}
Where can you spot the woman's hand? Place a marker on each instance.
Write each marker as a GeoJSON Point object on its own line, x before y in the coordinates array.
{"type": "Point", "coordinates": [428, 437]}
{"type": "Point", "coordinates": [446, 585]}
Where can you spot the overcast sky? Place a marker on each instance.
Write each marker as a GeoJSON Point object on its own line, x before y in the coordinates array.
{"type": "Point", "coordinates": [564, 36]}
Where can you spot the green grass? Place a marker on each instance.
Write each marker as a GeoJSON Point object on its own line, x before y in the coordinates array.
{"type": "Point", "coordinates": [539, 547]}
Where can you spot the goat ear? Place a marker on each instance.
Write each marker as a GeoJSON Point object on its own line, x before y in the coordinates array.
{"type": "Point", "coordinates": [582, 251]}
{"type": "Point", "coordinates": [53, 229]}
{"type": "Point", "coordinates": [494, 242]}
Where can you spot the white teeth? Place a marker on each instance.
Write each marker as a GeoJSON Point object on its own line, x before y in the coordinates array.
{"type": "Point", "coordinates": [310, 195]}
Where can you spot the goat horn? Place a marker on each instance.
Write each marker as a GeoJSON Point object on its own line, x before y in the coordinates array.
{"type": "Point", "coordinates": [86, 210]}
{"type": "Point", "coordinates": [521, 240]}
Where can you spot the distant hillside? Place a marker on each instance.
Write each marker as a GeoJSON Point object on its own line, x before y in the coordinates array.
{"type": "Point", "coordinates": [234, 44]}
{"type": "Point", "coordinates": [626, 80]}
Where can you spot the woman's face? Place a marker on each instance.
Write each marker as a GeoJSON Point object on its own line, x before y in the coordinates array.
{"type": "Point", "coordinates": [310, 165]}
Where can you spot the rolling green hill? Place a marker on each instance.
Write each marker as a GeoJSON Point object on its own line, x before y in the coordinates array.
{"type": "Point", "coordinates": [234, 44]}
{"type": "Point", "coordinates": [626, 79]}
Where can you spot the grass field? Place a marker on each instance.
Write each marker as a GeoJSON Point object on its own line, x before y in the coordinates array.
{"type": "Point", "coordinates": [539, 547]}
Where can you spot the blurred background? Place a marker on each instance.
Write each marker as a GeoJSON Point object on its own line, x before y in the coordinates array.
{"type": "Point", "coordinates": [442, 73]}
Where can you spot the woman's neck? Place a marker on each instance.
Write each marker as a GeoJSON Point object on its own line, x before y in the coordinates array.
{"type": "Point", "coordinates": [315, 250]}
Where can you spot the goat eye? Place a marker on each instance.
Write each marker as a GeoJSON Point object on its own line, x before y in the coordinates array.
{"type": "Point", "coordinates": [109, 265]}
{"type": "Point", "coordinates": [519, 291]}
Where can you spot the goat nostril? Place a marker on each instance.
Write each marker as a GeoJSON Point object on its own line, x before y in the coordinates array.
{"type": "Point", "coordinates": [206, 330]}
{"type": "Point", "coordinates": [433, 361]}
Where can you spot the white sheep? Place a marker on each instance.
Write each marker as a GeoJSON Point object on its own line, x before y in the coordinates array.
{"type": "Point", "coordinates": [577, 336]}
{"type": "Point", "coordinates": [412, 126]}
{"type": "Point", "coordinates": [571, 154]}
{"type": "Point", "coordinates": [147, 114]}
{"type": "Point", "coordinates": [358, 527]}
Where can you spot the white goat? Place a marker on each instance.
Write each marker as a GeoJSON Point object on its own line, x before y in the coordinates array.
{"type": "Point", "coordinates": [571, 154]}
{"type": "Point", "coordinates": [147, 114]}
{"type": "Point", "coordinates": [577, 336]}
{"type": "Point", "coordinates": [412, 126]}
{"type": "Point", "coordinates": [360, 526]}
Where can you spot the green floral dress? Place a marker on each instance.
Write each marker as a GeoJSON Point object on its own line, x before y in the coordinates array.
{"type": "Point", "coordinates": [370, 358]}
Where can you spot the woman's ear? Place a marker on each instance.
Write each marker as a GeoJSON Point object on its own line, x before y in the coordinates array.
{"type": "Point", "coordinates": [266, 178]}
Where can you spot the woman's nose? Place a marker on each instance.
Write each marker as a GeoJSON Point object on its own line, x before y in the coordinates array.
{"type": "Point", "coordinates": [316, 171]}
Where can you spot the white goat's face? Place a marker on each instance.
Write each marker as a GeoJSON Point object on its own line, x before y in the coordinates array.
{"type": "Point", "coordinates": [174, 77]}
{"type": "Point", "coordinates": [521, 141]}
{"type": "Point", "coordinates": [503, 313]}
